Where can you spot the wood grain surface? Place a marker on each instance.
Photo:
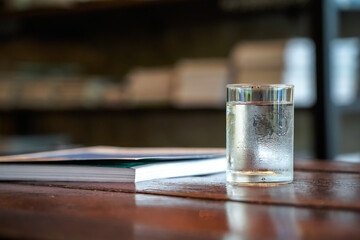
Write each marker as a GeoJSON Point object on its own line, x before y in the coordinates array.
{"type": "Point", "coordinates": [310, 189]}
{"type": "Point", "coordinates": [322, 202]}
{"type": "Point", "coordinates": [52, 212]}
{"type": "Point", "coordinates": [326, 166]}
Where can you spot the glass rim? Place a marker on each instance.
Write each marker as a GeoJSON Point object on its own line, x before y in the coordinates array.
{"type": "Point", "coordinates": [252, 85]}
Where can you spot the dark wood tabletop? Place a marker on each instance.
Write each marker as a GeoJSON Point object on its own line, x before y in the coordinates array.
{"type": "Point", "coordinates": [322, 202]}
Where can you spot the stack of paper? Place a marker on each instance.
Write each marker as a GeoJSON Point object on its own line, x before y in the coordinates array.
{"type": "Point", "coordinates": [112, 164]}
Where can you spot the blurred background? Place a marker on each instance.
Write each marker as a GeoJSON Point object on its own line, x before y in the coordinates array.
{"type": "Point", "coordinates": [153, 72]}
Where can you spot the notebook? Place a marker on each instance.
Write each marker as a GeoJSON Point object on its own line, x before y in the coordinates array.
{"type": "Point", "coordinates": [112, 164]}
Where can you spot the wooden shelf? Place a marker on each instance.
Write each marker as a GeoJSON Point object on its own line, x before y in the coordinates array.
{"type": "Point", "coordinates": [83, 7]}
{"type": "Point", "coordinates": [98, 5]}
{"type": "Point", "coordinates": [125, 109]}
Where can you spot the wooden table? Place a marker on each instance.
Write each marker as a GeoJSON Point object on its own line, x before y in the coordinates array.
{"type": "Point", "coordinates": [322, 202]}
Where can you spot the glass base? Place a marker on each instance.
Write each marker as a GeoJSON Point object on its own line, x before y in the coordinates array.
{"type": "Point", "coordinates": [258, 177]}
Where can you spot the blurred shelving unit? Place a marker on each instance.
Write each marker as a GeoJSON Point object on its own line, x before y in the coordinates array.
{"type": "Point", "coordinates": [117, 28]}
{"type": "Point", "coordinates": [326, 22]}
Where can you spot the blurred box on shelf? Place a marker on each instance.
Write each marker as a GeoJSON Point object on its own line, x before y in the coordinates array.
{"type": "Point", "coordinates": [70, 93]}
{"type": "Point", "coordinates": [268, 76]}
{"type": "Point", "coordinates": [200, 83]}
{"type": "Point", "coordinates": [8, 91]}
{"type": "Point", "coordinates": [57, 93]}
{"type": "Point", "coordinates": [37, 94]}
{"type": "Point", "coordinates": [94, 91]}
{"type": "Point", "coordinates": [255, 55]}
{"type": "Point", "coordinates": [81, 92]}
{"type": "Point", "coordinates": [289, 61]}
{"type": "Point", "coordinates": [114, 96]}
{"type": "Point", "coordinates": [149, 86]}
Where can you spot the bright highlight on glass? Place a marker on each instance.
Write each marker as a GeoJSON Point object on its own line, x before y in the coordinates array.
{"type": "Point", "coordinates": [259, 133]}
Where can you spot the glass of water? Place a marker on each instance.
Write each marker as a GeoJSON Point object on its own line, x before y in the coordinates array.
{"type": "Point", "coordinates": [259, 133]}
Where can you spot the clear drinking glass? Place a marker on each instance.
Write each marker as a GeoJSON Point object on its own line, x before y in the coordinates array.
{"type": "Point", "coordinates": [259, 133]}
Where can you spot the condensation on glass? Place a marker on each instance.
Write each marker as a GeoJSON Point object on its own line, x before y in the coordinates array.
{"type": "Point", "coordinates": [259, 133]}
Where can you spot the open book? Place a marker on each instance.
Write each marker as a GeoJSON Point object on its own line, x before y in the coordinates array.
{"type": "Point", "coordinates": [112, 164]}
